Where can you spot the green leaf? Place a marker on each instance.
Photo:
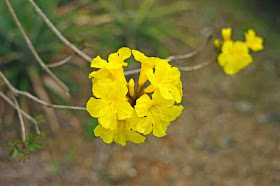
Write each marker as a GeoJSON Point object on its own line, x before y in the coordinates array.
{"type": "Point", "coordinates": [17, 150]}
{"type": "Point", "coordinates": [38, 145]}
{"type": "Point", "coordinates": [11, 153]}
{"type": "Point", "coordinates": [39, 119]}
{"type": "Point", "coordinates": [32, 147]}
{"type": "Point", "coordinates": [11, 143]}
{"type": "Point", "coordinates": [29, 137]}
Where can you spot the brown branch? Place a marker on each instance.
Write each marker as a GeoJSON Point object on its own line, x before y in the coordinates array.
{"type": "Point", "coordinates": [130, 72]}
{"type": "Point", "coordinates": [34, 98]}
{"type": "Point", "coordinates": [172, 58]}
{"type": "Point", "coordinates": [32, 49]}
{"type": "Point", "coordinates": [185, 56]}
{"type": "Point", "coordinates": [181, 57]}
{"type": "Point", "coordinates": [27, 116]}
{"type": "Point", "coordinates": [59, 63]}
{"type": "Point", "coordinates": [196, 67]}
{"type": "Point", "coordinates": [22, 126]}
{"type": "Point", "coordinates": [183, 69]}
{"type": "Point", "coordinates": [42, 94]}
{"type": "Point", "coordinates": [58, 33]}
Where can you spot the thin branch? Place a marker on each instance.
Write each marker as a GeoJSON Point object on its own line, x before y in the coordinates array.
{"type": "Point", "coordinates": [32, 49]}
{"type": "Point", "coordinates": [34, 98]}
{"type": "Point", "coordinates": [196, 67]}
{"type": "Point", "coordinates": [179, 57]}
{"type": "Point", "coordinates": [61, 62]}
{"type": "Point", "coordinates": [58, 33]}
{"type": "Point", "coordinates": [30, 118]}
{"type": "Point", "coordinates": [183, 69]}
{"type": "Point", "coordinates": [130, 72]}
{"type": "Point", "coordinates": [185, 56]}
{"type": "Point", "coordinates": [22, 126]}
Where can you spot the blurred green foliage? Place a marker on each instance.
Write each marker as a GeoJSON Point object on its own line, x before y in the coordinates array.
{"type": "Point", "coordinates": [144, 25]}
{"type": "Point", "coordinates": [15, 57]}
{"type": "Point", "coordinates": [90, 125]}
{"type": "Point", "coordinates": [24, 148]}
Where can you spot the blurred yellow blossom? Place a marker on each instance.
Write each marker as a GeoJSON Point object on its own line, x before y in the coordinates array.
{"type": "Point", "coordinates": [217, 43]}
{"type": "Point", "coordinates": [253, 42]}
{"type": "Point", "coordinates": [226, 33]}
{"type": "Point", "coordinates": [234, 57]}
{"type": "Point", "coordinates": [125, 111]}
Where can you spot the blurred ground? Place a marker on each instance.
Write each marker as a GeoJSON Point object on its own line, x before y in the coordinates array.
{"type": "Point", "coordinates": [228, 133]}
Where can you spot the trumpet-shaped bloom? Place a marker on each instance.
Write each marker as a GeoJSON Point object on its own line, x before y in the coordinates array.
{"type": "Point", "coordinates": [147, 63]}
{"type": "Point", "coordinates": [253, 42]}
{"type": "Point", "coordinates": [234, 57]}
{"type": "Point", "coordinates": [121, 134]}
{"type": "Point", "coordinates": [166, 80]}
{"type": "Point", "coordinates": [156, 114]}
{"type": "Point", "coordinates": [226, 34]}
{"type": "Point", "coordinates": [112, 69]}
{"type": "Point", "coordinates": [112, 104]}
{"type": "Point", "coordinates": [217, 43]}
{"type": "Point", "coordinates": [123, 110]}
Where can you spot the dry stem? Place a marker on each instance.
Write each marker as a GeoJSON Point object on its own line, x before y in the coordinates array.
{"type": "Point", "coordinates": [34, 98]}
{"type": "Point", "coordinates": [58, 33]}
{"type": "Point", "coordinates": [22, 126]}
{"type": "Point", "coordinates": [32, 49]}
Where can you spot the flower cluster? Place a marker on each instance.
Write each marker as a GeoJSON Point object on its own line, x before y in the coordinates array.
{"type": "Point", "coordinates": [127, 112]}
{"type": "Point", "coordinates": [235, 55]}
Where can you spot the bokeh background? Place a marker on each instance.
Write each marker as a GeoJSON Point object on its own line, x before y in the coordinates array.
{"type": "Point", "coordinates": [228, 133]}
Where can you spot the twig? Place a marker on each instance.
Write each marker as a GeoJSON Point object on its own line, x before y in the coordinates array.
{"type": "Point", "coordinates": [185, 56]}
{"type": "Point", "coordinates": [32, 49]}
{"type": "Point", "coordinates": [59, 63]}
{"type": "Point", "coordinates": [23, 135]}
{"type": "Point", "coordinates": [172, 58]}
{"type": "Point", "coordinates": [183, 69]}
{"type": "Point", "coordinates": [30, 118]}
{"type": "Point", "coordinates": [130, 72]}
{"type": "Point", "coordinates": [34, 98]}
{"type": "Point", "coordinates": [195, 67]}
{"type": "Point", "coordinates": [58, 33]}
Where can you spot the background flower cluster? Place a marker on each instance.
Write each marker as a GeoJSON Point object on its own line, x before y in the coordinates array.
{"type": "Point", "coordinates": [235, 54]}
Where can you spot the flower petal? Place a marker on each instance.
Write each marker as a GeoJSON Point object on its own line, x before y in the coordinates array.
{"type": "Point", "coordinates": [105, 134]}
{"type": "Point", "coordinates": [124, 110]}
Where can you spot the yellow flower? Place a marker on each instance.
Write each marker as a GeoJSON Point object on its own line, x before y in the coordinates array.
{"type": "Point", "coordinates": [234, 57]}
{"type": "Point", "coordinates": [155, 114]}
{"type": "Point", "coordinates": [166, 80]}
{"type": "Point", "coordinates": [123, 110]}
{"type": "Point", "coordinates": [112, 104]}
{"type": "Point", "coordinates": [226, 33]}
{"type": "Point", "coordinates": [112, 69]}
{"type": "Point", "coordinates": [120, 135]}
{"type": "Point", "coordinates": [253, 42]}
{"type": "Point", "coordinates": [147, 63]}
{"type": "Point", "coordinates": [217, 43]}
